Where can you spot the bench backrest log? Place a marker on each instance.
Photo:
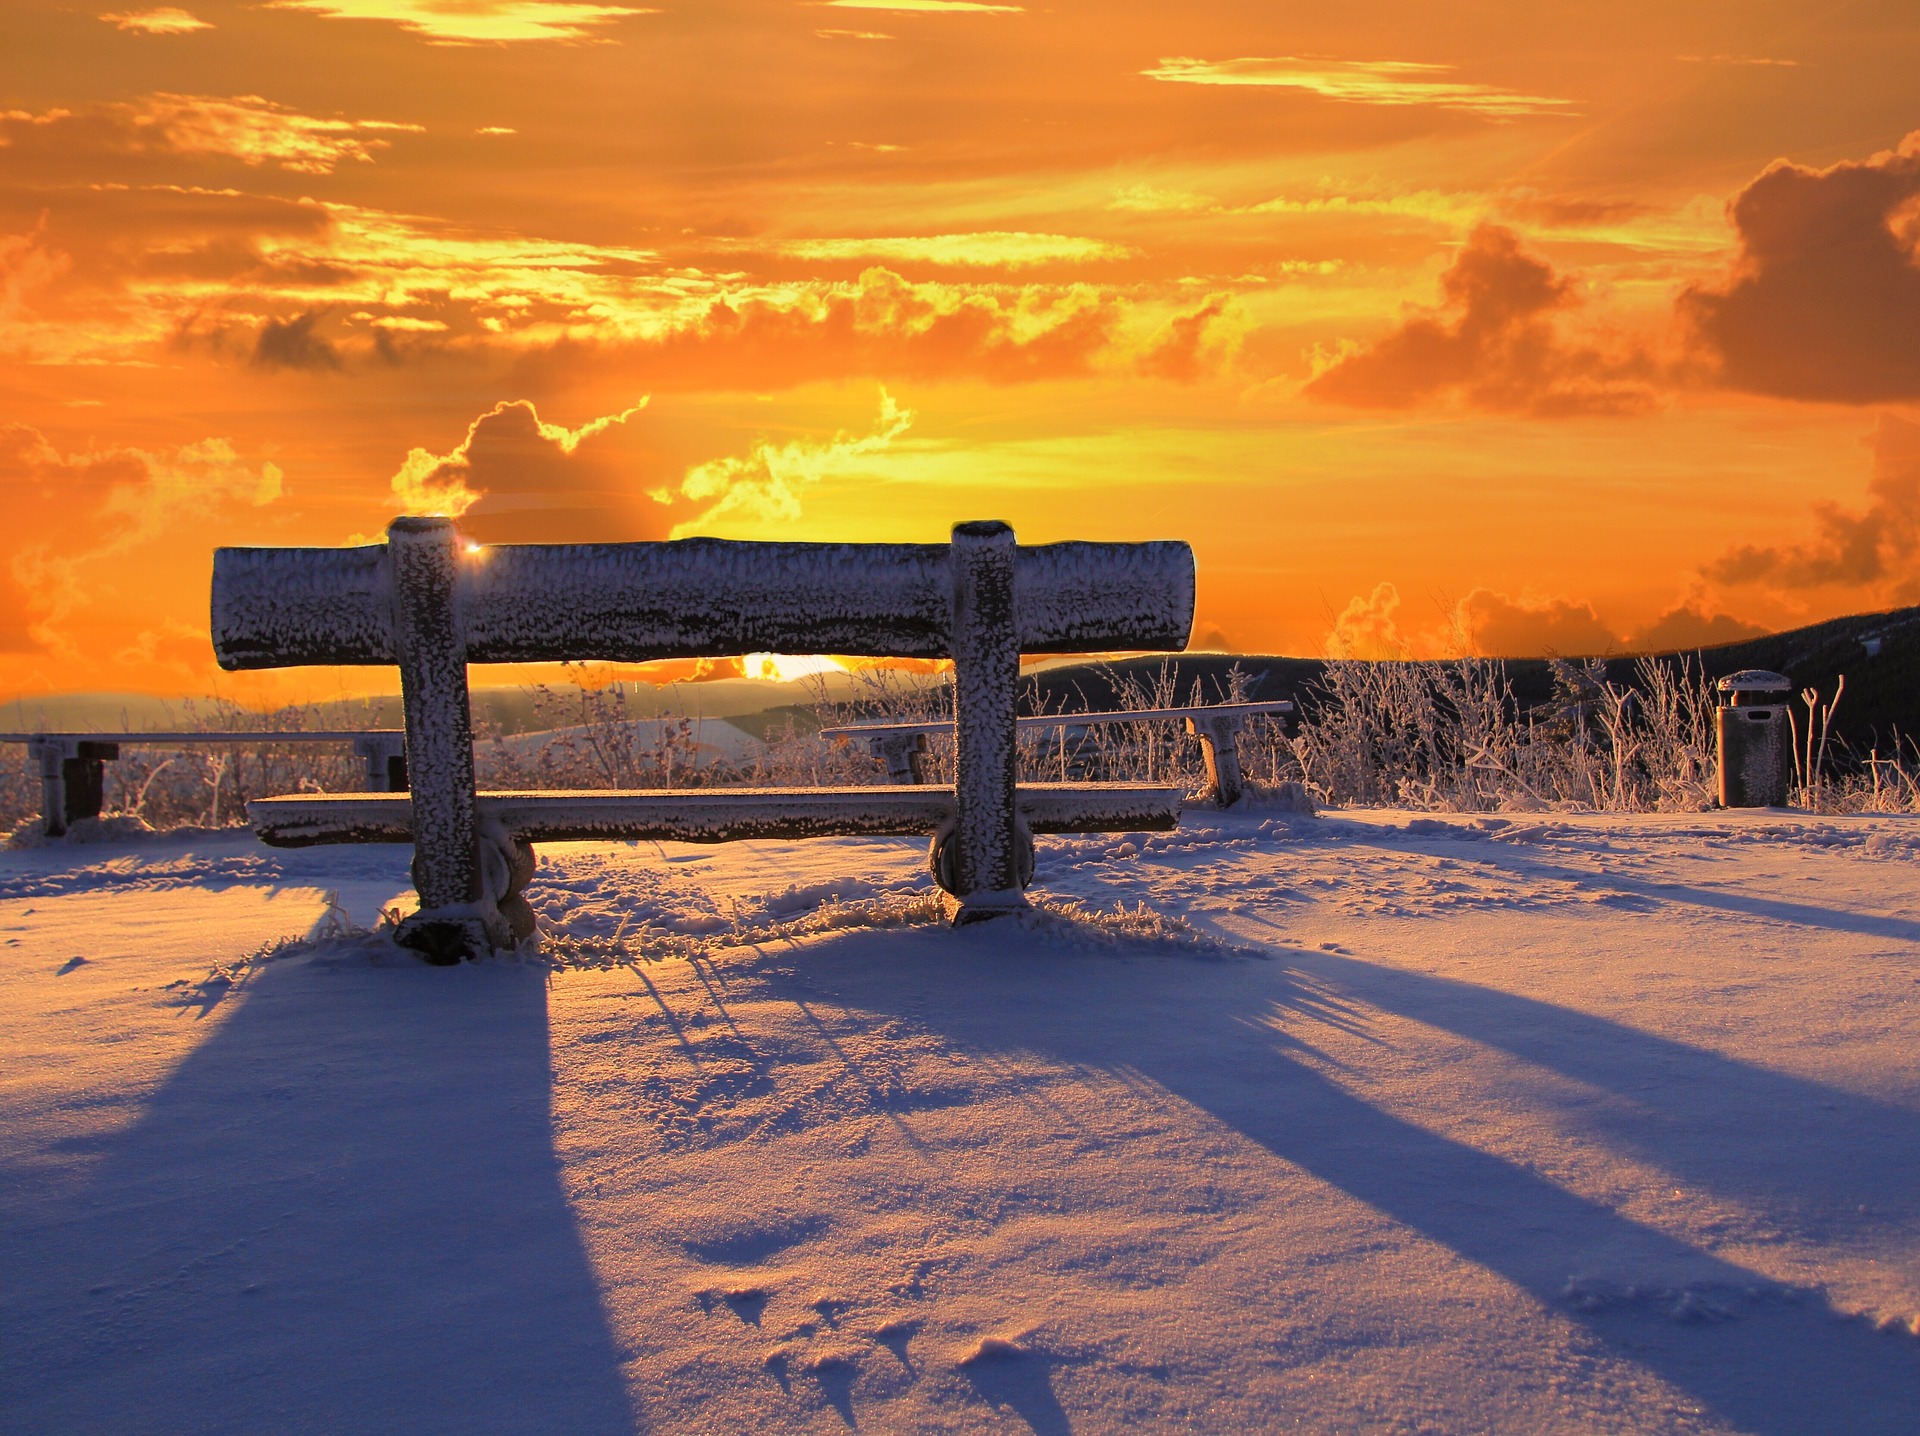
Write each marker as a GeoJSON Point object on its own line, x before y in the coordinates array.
{"type": "Point", "coordinates": [429, 602]}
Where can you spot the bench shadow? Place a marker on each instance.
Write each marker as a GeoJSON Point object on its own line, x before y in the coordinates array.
{"type": "Point", "coordinates": [1516, 861]}
{"type": "Point", "coordinates": [341, 1212]}
{"type": "Point", "coordinates": [1810, 1151]}
{"type": "Point", "coordinates": [1224, 1037]}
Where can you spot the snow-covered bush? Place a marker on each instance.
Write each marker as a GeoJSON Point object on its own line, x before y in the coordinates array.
{"type": "Point", "coordinates": [1450, 735]}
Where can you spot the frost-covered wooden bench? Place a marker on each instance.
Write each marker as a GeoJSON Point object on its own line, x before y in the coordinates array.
{"type": "Point", "coordinates": [902, 746]}
{"type": "Point", "coordinates": [431, 603]}
{"type": "Point", "coordinates": [73, 765]}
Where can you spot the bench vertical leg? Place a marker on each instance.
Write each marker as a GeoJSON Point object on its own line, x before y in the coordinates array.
{"type": "Point", "coordinates": [85, 772]}
{"type": "Point", "coordinates": [386, 763]}
{"type": "Point", "coordinates": [1220, 745]}
{"type": "Point", "coordinates": [51, 754]}
{"type": "Point", "coordinates": [431, 648]}
{"type": "Point", "coordinates": [901, 752]}
{"type": "Point", "coordinates": [986, 844]}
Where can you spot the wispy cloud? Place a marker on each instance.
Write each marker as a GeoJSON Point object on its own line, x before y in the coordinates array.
{"type": "Point", "coordinates": [167, 20]}
{"type": "Point", "coordinates": [995, 249]}
{"type": "Point", "coordinates": [1362, 82]}
{"type": "Point", "coordinates": [477, 22]}
{"type": "Point", "coordinates": [1737, 60]}
{"type": "Point", "coordinates": [248, 128]}
{"type": "Point", "coordinates": [767, 482]}
{"type": "Point", "coordinates": [928, 7]}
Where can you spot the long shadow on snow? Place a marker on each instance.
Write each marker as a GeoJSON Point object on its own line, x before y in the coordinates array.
{"type": "Point", "coordinates": [1201, 1031]}
{"type": "Point", "coordinates": [1811, 1151]}
{"type": "Point", "coordinates": [341, 1212]}
{"type": "Point", "coordinates": [1522, 864]}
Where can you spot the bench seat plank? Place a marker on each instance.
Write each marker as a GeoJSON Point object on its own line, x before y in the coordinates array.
{"type": "Point", "coordinates": [714, 815]}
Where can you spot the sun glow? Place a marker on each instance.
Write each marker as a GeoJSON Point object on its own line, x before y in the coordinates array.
{"type": "Point", "coordinates": [787, 667]}
{"type": "Point", "coordinates": [1381, 302]}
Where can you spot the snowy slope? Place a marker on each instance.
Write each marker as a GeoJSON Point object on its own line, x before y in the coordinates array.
{"type": "Point", "coordinates": [1361, 1123]}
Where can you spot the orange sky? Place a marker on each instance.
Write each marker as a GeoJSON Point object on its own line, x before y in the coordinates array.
{"type": "Point", "coordinates": [1569, 326]}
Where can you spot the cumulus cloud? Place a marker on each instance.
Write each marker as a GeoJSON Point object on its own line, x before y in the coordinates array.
{"type": "Point", "coordinates": [166, 20]}
{"type": "Point", "coordinates": [477, 22]}
{"type": "Point", "coordinates": [66, 511]}
{"type": "Point", "coordinates": [1691, 625]}
{"type": "Point", "coordinates": [1495, 344]}
{"type": "Point", "coordinates": [1363, 82]}
{"type": "Point", "coordinates": [516, 478]}
{"type": "Point", "coordinates": [1876, 547]}
{"type": "Point", "coordinates": [1369, 627]}
{"type": "Point", "coordinates": [1494, 625]}
{"type": "Point", "coordinates": [1824, 302]}
{"type": "Point", "coordinates": [246, 128]}
{"type": "Point", "coordinates": [1490, 624]}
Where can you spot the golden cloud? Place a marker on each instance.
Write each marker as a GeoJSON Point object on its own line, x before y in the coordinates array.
{"type": "Point", "coordinates": [928, 7]}
{"type": "Point", "coordinates": [1369, 628]}
{"type": "Point", "coordinates": [996, 249]}
{"type": "Point", "coordinates": [1363, 82]}
{"type": "Point", "coordinates": [477, 22]}
{"type": "Point", "coordinates": [166, 20]}
{"type": "Point", "coordinates": [766, 482]}
{"type": "Point", "coordinates": [247, 128]}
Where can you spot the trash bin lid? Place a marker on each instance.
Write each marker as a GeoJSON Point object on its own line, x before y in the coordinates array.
{"type": "Point", "coordinates": [1755, 680]}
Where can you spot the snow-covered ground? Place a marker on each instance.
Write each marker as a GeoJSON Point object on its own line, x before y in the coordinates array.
{"type": "Point", "coordinates": [1360, 1123]}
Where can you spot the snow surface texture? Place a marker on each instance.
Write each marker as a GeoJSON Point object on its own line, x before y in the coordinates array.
{"type": "Point", "coordinates": [1359, 1123]}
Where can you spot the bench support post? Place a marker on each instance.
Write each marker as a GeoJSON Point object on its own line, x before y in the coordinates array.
{"type": "Point", "coordinates": [73, 778]}
{"type": "Point", "coordinates": [904, 754]}
{"type": "Point", "coordinates": [431, 647]}
{"type": "Point", "coordinates": [986, 844]}
{"type": "Point", "coordinates": [50, 754]}
{"type": "Point", "coordinates": [385, 756]}
{"type": "Point", "coordinates": [1220, 745]}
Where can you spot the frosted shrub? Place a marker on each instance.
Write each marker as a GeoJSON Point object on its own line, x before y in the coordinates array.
{"type": "Point", "coordinates": [19, 787]}
{"type": "Point", "coordinates": [1450, 735]}
{"type": "Point", "coordinates": [590, 738]}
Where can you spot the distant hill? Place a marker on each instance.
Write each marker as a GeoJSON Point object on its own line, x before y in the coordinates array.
{"type": "Point", "coordinates": [507, 710]}
{"type": "Point", "coordinates": [1879, 653]}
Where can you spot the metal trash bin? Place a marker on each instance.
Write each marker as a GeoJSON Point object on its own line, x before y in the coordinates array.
{"type": "Point", "coordinates": [1755, 730]}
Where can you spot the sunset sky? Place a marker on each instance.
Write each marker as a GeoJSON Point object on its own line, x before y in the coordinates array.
{"type": "Point", "coordinates": [1521, 324]}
